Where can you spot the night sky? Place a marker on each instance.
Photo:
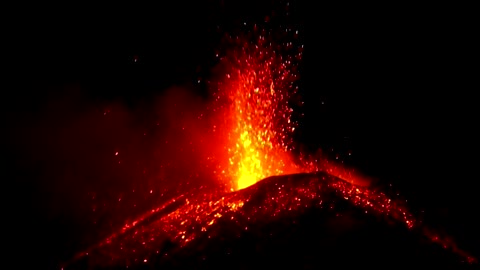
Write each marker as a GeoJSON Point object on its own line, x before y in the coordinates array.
{"type": "Point", "coordinates": [390, 84]}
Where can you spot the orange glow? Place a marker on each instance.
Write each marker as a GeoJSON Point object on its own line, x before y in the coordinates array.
{"type": "Point", "coordinates": [255, 95]}
{"type": "Point", "coordinates": [254, 152]}
{"type": "Point", "coordinates": [203, 215]}
{"type": "Point", "coordinates": [250, 141]}
{"type": "Point", "coordinates": [257, 90]}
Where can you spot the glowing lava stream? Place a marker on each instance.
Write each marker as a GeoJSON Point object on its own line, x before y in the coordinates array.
{"type": "Point", "coordinates": [183, 220]}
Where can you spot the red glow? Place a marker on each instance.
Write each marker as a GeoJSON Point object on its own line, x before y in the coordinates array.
{"type": "Point", "coordinates": [254, 97]}
{"type": "Point", "coordinates": [197, 216]}
{"type": "Point", "coordinates": [244, 137]}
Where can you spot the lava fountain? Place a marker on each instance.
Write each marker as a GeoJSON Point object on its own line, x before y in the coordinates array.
{"type": "Point", "coordinates": [256, 97]}
{"type": "Point", "coordinates": [255, 93]}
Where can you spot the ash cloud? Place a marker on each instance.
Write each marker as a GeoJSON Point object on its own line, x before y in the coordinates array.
{"type": "Point", "coordinates": [78, 167]}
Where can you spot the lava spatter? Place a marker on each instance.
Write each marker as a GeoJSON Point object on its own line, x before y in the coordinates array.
{"type": "Point", "coordinates": [255, 98]}
{"type": "Point", "coordinates": [259, 79]}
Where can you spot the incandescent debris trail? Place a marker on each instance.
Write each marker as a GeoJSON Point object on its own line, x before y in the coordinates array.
{"type": "Point", "coordinates": [184, 220]}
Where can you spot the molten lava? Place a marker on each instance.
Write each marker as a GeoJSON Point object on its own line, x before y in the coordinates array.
{"type": "Point", "coordinates": [256, 95]}
{"type": "Point", "coordinates": [257, 90]}
{"type": "Point", "coordinates": [253, 103]}
{"type": "Point", "coordinates": [200, 217]}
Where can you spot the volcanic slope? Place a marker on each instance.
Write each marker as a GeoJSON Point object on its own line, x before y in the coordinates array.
{"type": "Point", "coordinates": [299, 221]}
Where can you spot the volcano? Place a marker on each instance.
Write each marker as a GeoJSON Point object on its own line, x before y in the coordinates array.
{"type": "Point", "coordinates": [305, 221]}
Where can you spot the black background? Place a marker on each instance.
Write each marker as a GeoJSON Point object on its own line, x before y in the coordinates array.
{"type": "Point", "coordinates": [392, 84]}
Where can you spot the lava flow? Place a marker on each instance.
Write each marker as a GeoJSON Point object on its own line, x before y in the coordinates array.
{"type": "Point", "coordinates": [254, 107]}
{"type": "Point", "coordinates": [193, 220]}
